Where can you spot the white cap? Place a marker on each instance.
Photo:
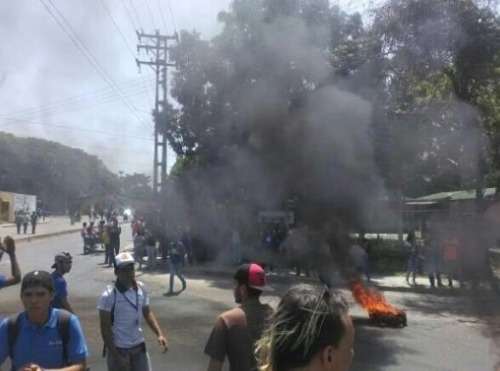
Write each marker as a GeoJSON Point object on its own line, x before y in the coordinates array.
{"type": "Point", "coordinates": [123, 259]}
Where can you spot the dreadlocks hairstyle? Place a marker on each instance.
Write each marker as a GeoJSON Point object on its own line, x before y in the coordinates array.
{"type": "Point", "coordinates": [307, 320]}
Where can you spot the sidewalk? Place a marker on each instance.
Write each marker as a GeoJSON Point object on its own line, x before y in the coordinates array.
{"type": "Point", "coordinates": [50, 227]}
{"type": "Point", "coordinates": [59, 225]}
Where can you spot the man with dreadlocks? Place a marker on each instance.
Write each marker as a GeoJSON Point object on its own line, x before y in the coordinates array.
{"type": "Point", "coordinates": [236, 331]}
{"type": "Point", "coordinates": [310, 330]}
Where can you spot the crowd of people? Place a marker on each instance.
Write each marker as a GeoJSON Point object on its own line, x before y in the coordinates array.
{"type": "Point", "coordinates": [48, 334]}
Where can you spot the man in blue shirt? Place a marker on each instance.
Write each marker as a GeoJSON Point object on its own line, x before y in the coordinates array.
{"type": "Point", "coordinates": [62, 265]}
{"type": "Point", "coordinates": [38, 342]}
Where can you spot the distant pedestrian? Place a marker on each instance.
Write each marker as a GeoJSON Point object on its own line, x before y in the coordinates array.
{"type": "Point", "coordinates": [114, 238]}
{"type": "Point", "coordinates": [139, 247]}
{"type": "Point", "coordinates": [450, 251]}
{"type": "Point", "coordinates": [121, 308]}
{"type": "Point", "coordinates": [310, 330]}
{"type": "Point", "coordinates": [177, 255]}
{"type": "Point", "coordinates": [151, 251]}
{"type": "Point", "coordinates": [38, 341]}
{"type": "Point", "coordinates": [237, 330]}
{"type": "Point", "coordinates": [433, 257]}
{"type": "Point", "coordinates": [412, 257]}
{"type": "Point", "coordinates": [26, 221]}
{"type": "Point", "coordinates": [19, 221]}
{"type": "Point", "coordinates": [62, 265]}
{"type": "Point", "coordinates": [34, 220]}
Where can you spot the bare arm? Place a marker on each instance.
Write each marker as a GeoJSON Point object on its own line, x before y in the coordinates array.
{"type": "Point", "coordinates": [65, 305]}
{"type": "Point", "coordinates": [106, 333]}
{"type": "Point", "coordinates": [10, 249]}
{"type": "Point", "coordinates": [150, 319]}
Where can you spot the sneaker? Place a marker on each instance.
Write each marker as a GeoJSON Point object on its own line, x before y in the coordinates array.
{"type": "Point", "coordinates": [168, 293]}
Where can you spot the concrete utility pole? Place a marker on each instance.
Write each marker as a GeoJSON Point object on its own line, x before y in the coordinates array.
{"type": "Point", "coordinates": [158, 45]}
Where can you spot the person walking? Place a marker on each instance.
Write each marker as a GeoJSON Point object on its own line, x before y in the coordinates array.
{"type": "Point", "coordinates": [413, 255]}
{"type": "Point", "coordinates": [310, 330]}
{"type": "Point", "coordinates": [8, 246]}
{"type": "Point", "coordinates": [62, 265]}
{"type": "Point", "coordinates": [121, 307]}
{"type": "Point", "coordinates": [236, 331]}
{"type": "Point", "coordinates": [44, 337]}
{"type": "Point", "coordinates": [177, 254]}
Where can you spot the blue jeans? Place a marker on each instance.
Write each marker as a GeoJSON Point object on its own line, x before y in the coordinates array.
{"type": "Point", "coordinates": [176, 270]}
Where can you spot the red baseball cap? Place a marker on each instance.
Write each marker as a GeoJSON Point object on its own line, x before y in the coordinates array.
{"type": "Point", "coordinates": [253, 276]}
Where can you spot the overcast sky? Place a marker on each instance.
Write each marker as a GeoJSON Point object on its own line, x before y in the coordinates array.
{"type": "Point", "coordinates": [49, 88]}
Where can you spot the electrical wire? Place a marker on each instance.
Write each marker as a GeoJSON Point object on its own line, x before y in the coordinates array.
{"type": "Point", "coordinates": [150, 14]}
{"type": "Point", "coordinates": [117, 29]}
{"type": "Point", "coordinates": [88, 55]}
{"type": "Point", "coordinates": [129, 15]}
{"type": "Point", "coordinates": [86, 130]}
{"type": "Point", "coordinates": [162, 17]}
{"type": "Point", "coordinates": [135, 12]}
{"type": "Point", "coordinates": [82, 100]}
{"type": "Point", "coordinates": [172, 15]}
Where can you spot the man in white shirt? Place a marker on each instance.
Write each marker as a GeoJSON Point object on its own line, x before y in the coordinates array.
{"type": "Point", "coordinates": [121, 307]}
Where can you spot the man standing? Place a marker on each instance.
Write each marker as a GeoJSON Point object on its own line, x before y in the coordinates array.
{"type": "Point", "coordinates": [121, 307]}
{"type": "Point", "coordinates": [38, 343]}
{"type": "Point", "coordinates": [9, 247]}
{"type": "Point", "coordinates": [62, 265]}
{"type": "Point", "coordinates": [34, 220]}
{"type": "Point", "coordinates": [114, 239]}
{"type": "Point", "coordinates": [236, 331]}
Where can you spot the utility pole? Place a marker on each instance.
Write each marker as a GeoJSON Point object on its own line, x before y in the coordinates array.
{"type": "Point", "coordinates": [158, 45]}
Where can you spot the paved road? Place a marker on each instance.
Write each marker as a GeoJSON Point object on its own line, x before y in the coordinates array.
{"type": "Point", "coordinates": [445, 332]}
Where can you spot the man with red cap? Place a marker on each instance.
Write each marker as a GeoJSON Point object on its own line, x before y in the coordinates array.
{"type": "Point", "coordinates": [236, 330]}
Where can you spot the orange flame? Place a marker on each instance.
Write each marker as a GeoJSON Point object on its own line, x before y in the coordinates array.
{"type": "Point", "coordinates": [371, 299]}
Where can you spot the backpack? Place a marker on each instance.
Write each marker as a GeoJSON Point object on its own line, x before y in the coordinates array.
{"type": "Point", "coordinates": [63, 323]}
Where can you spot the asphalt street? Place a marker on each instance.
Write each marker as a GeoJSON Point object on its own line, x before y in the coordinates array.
{"type": "Point", "coordinates": [446, 330]}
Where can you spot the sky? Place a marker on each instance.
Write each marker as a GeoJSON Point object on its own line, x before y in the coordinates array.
{"type": "Point", "coordinates": [68, 72]}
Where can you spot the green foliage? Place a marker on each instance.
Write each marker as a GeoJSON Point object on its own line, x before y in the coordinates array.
{"type": "Point", "coordinates": [55, 173]}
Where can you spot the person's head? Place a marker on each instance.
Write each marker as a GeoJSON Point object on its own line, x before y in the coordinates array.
{"type": "Point", "coordinates": [310, 328]}
{"type": "Point", "coordinates": [124, 268]}
{"type": "Point", "coordinates": [84, 224]}
{"type": "Point", "coordinates": [249, 282]}
{"type": "Point", "coordinates": [63, 262]}
{"type": "Point", "coordinates": [37, 291]}
{"type": "Point", "coordinates": [410, 237]}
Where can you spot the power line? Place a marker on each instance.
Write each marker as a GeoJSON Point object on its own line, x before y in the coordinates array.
{"type": "Point", "coordinates": [135, 12]}
{"type": "Point", "coordinates": [80, 101]}
{"type": "Point", "coordinates": [88, 55]}
{"type": "Point", "coordinates": [131, 19]}
{"type": "Point", "coordinates": [150, 13]}
{"type": "Point", "coordinates": [172, 15]}
{"type": "Point", "coordinates": [117, 28]}
{"type": "Point", "coordinates": [29, 122]}
{"type": "Point", "coordinates": [161, 15]}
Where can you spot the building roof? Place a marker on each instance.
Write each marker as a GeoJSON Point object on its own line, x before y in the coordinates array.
{"type": "Point", "coordinates": [455, 196]}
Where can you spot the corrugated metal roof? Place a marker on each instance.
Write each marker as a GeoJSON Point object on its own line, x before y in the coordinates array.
{"type": "Point", "coordinates": [455, 195]}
